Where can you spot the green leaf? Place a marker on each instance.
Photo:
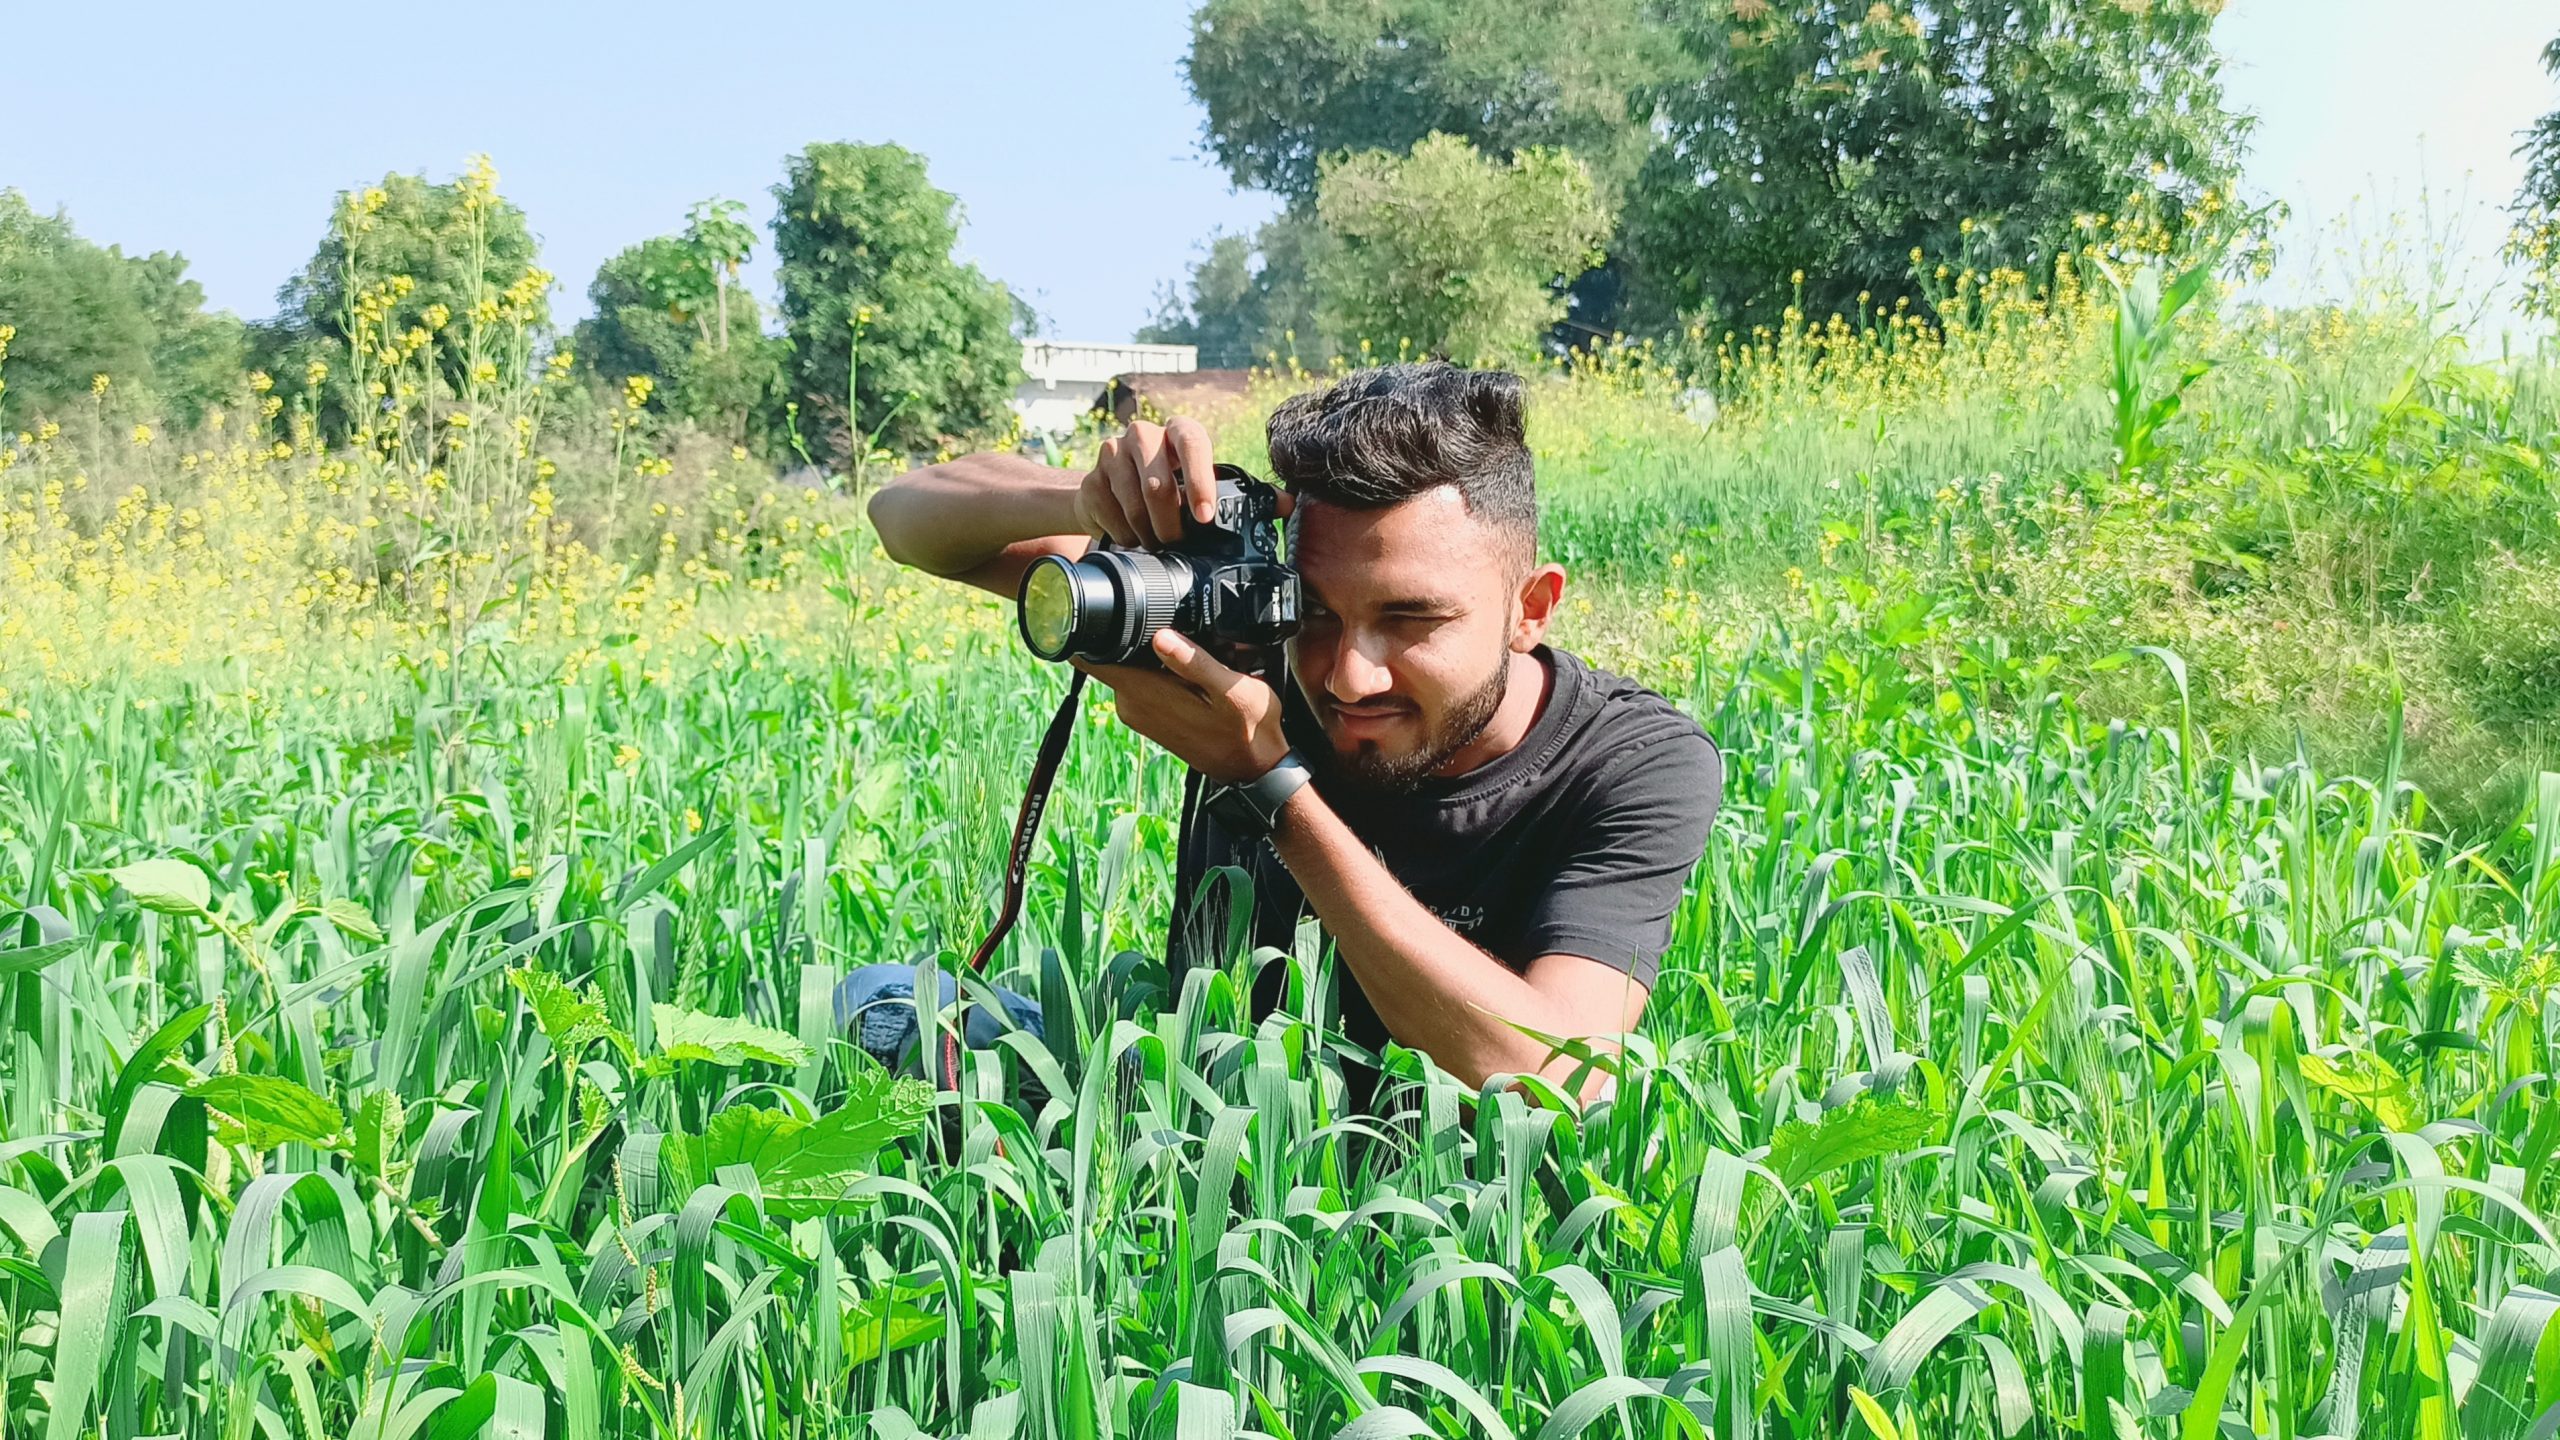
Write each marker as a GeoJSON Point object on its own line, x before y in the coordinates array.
{"type": "Point", "coordinates": [37, 957]}
{"type": "Point", "coordinates": [886, 1322]}
{"type": "Point", "coordinates": [805, 1165]}
{"type": "Point", "coordinates": [269, 1110]}
{"type": "Point", "coordinates": [172, 887]}
{"type": "Point", "coordinates": [352, 918]}
{"type": "Point", "coordinates": [1863, 1129]}
{"type": "Point", "coordinates": [381, 1124]}
{"type": "Point", "coordinates": [2370, 1081]}
{"type": "Point", "coordinates": [570, 1019]}
{"type": "Point", "coordinates": [1873, 1412]}
{"type": "Point", "coordinates": [718, 1040]}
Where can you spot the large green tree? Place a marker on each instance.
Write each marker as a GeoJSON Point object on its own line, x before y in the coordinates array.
{"type": "Point", "coordinates": [450, 239]}
{"type": "Point", "coordinates": [456, 244]}
{"type": "Point", "coordinates": [82, 310]}
{"type": "Point", "coordinates": [1452, 252]}
{"type": "Point", "coordinates": [876, 304]}
{"type": "Point", "coordinates": [1835, 139]}
{"type": "Point", "coordinates": [1287, 83]}
{"type": "Point", "coordinates": [669, 308]}
{"type": "Point", "coordinates": [1290, 83]}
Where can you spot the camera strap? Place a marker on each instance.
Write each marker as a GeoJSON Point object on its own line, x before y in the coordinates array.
{"type": "Point", "coordinates": [1026, 827]}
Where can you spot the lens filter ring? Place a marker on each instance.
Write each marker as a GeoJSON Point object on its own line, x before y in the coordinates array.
{"type": "Point", "coordinates": [1048, 609]}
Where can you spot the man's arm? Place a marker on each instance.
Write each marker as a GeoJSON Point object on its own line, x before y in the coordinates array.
{"type": "Point", "coordinates": [1436, 990]}
{"type": "Point", "coordinates": [982, 519]}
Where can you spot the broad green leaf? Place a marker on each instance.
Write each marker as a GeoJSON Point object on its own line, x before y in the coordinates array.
{"type": "Point", "coordinates": [885, 1322]}
{"type": "Point", "coordinates": [352, 918]}
{"type": "Point", "coordinates": [570, 1019]}
{"type": "Point", "coordinates": [1863, 1129]}
{"type": "Point", "coordinates": [805, 1165]}
{"type": "Point", "coordinates": [381, 1123]}
{"type": "Point", "coordinates": [269, 1110]}
{"type": "Point", "coordinates": [2370, 1081]}
{"type": "Point", "coordinates": [172, 887]}
{"type": "Point", "coordinates": [742, 1134]}
{"type": "Point", "coordinates": [718, 1040]}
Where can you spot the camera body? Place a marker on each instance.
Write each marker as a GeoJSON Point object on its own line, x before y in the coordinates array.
{"type": "Point", "coordinates": [1223, 585]}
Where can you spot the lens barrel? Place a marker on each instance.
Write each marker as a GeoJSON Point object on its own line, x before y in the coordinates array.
{"type": "Point", "coordinates": [1106, 607]}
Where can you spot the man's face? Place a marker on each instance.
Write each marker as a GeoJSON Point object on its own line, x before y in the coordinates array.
{"type": "Point", "coordinates": [1409, 619]}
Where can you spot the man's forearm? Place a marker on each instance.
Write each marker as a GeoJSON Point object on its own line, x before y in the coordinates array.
{"type": "Point", "coordinates": [950, 518]}
{"type": "Point", "coordinates": [1436, 991]}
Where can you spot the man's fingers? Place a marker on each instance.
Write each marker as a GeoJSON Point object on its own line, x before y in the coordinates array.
{"type": "Point", "coordinates": [1152, 455]}
{"type": "Point", "coordinates": [1140, 451]}
{"type": "Point", "coordinates": [1111, 675]}
{"type": "Point", "coordinates": [1164, 496]}
{"type": "Point", "coordinates": [1094, 501]}
{"type": "Point", "coordinates": [1132, 507]}
{"type": "Point", "coordinates": [1101, 512]}
{"type": "Point", "coordinates": [1138, 687]}
{"type": "Point", "coordinates": [1189, 441]}
{"type": "Point", "coordinates": [1192, 663]}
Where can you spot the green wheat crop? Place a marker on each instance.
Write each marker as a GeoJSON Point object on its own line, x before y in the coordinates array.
{"type": "Point", "coordinates": [461, 1065]}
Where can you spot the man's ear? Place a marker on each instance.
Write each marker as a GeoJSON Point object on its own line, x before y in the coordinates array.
{"type": "Point", "coordinates": [1541, 590]}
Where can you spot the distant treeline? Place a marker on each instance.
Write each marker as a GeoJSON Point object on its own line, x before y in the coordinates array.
{"type": "Point", "coordinates": [1484, 179]}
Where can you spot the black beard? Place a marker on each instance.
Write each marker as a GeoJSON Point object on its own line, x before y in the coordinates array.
{"type": "Point", "coordinates": [1402, 774]}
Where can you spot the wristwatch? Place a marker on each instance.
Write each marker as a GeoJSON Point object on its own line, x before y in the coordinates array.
{"type": "Point", "coordinates": [1250, 809]}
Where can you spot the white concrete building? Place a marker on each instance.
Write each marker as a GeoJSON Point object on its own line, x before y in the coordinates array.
{"type": "Point", "coordinates": [1063, 378]}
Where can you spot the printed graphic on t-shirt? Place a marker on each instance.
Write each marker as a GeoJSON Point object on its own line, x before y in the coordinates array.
{"type": "Point", "coordinates": [1461, 918]}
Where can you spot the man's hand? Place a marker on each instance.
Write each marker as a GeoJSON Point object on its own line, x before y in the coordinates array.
{"type": "Point", "coordinates": [1221, 723]}
{"type": "Point", "coordinates": [1149, 481]}
{"type": "Point", "coordinates": [1145, 480]}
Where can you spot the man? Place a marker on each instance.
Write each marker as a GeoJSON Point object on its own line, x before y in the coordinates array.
{"type": "Point", "coordinates": [1492, 833]}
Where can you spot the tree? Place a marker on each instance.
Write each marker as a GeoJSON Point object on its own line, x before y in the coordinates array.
{"type": "Point", "coordinates": [1453, 252]}
{"type": "Point", "coordinates": [2535, 243]}
{"type": "Point", "coordinates": [1287, 83]}
{"type": "Point", "coordinates": [875, 304]}
{"type": "Point", "coordinates": [1251, 299]}
{"type": "Point", "coordinates": [689, 275]}
{"type": "Point", "coordinates": [458, 245]}
{"type": "Point", "coordinates": [82, 310]}
{"type": "Point", "coordinates": [714, 232]}
{"type": "Point", "coordinates": [707, 356]}
{"type": "Point", "coordinates": [1835, 140]}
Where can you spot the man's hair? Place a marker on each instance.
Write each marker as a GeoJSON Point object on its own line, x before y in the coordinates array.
{"type": "Point", "coordinates": [1379, 437]}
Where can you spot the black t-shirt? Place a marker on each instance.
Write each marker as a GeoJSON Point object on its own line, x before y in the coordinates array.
{"type": "Point", "coordinates": [1578, 841]}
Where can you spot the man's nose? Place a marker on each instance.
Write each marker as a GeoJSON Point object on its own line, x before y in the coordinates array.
{"type": "Point", "coordinates": [1357, 674]}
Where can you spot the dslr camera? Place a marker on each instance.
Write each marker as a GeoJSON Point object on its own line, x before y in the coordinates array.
{"type": "Point", "coordinates": [1223, 585]}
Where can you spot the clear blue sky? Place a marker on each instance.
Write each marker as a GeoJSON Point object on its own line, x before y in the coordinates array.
{"type": "Point", "coordinates": [1065, 129]}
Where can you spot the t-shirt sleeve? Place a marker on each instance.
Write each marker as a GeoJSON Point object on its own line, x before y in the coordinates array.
{"type": "Point", "coordinates": [1631, 857]}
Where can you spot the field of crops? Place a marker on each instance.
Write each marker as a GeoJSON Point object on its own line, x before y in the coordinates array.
{"type": "Point", "coordinates": [418, 1009]}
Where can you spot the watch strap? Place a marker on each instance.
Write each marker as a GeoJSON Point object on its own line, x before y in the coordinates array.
{"type": "Point", "coordinates": [1253, 806]}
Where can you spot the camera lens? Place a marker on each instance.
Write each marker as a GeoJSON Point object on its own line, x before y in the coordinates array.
{"type": "Point", "coordinates": [1105, 607]}
{"type": "Point", "coordinates": [1049, 608]}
